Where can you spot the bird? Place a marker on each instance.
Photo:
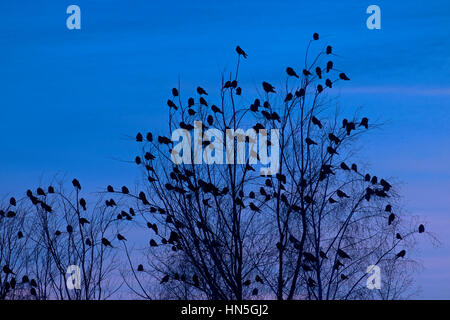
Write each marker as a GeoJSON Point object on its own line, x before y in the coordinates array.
{"type": "Point", "coordinates": [309, 257]}
{"type": "Point", "coordinates": [331, 200]}
{"type": "Point", "coordinates": [374, 180]}
{"type": "Point", "coordinates": [140, 268]}
{"type": "Point", "coordinates": [306, 72]}
{"type": "Point", "coordinates": [12, 201]}
{"type": "Point", "coordinates": [329, 66]}
{"type": "Point", "coordinates": [331, 150]}
{"type": "Point", "coordinates": [289, 97]}
{"type": "Point", "coordinates": [401, 254]}
{"type": "Point", "coordinates": [255, 292]}
{"type": "Point", "coordinates": [51, 189]}
{"type": "Point", "coordinates": [25, 279]}
{"type": "Point", "coordinates": [343, 277]}
{"type": "Point", "coordinates": [311, 282]}
{"type": "Point", "coordinates": [354, 167]}
{"type": "Point", "coordinates": [319, 72]}
{"type": "Point", "coordinates": [291, 72]}
{"type": "Point", "coordinates": [268, 87]}
{"type": "Point", "coordinates": [84, 221]}
{"type": "Point", "coordinates": [328, 50]}
{"type": "Point", "coordinates": [398, 236]}
{"type": "Point", "coordinates": [88, 242]}
{"type": "Point", "coordinates": [7, 269]}
{"type": "Point", "coordinates": [139, 137]}
{"type": "Point", "coordinates": [110, 188]}
{"type": "Point", "coordinates": [328, 83]}
{"type": "Point", "coordinates": [323, 255]}
{"type": "Point", "coordinates": [388, 208]}
{"type": "Point", "coordinates": [171, 104]}
{"type": "Point", "coordinates": [316, 36]}
{"type": "Point", "coordinates": [341, 194]}
{"type": "Point", "coordinates": [20, 234]}
{"type": "Point", "coordinates": [246, 283]}
{"type": "Point", "coordinates": [238, 91]}
{"type": "Point", "coordinates": [125, 190]}
{"type": "Point", "coordinates": [40, 192]}
{"type": "Point", "coordinates": [106, 242]}
{"type": "Point", "coordinates": [153, 243]}
{"type": "Point", "coordinates": [367, 177]}
{"type": "Point", "coordinates": [343, 76]}
{"type": "Point", "coordinates": [201, 91]}
{"type": "Point", "coordinates": [300, 93]}
{"type": "Point", "coordinates": [306, 268]}
{"type": "Point", "coordinates": [83, 203]}
{"type": "Point", "coordinates": [253, 207]}
{"type": "Point", "coordinates": [316, 122]}
{"type": "Point", "coordinates": [364, 122]}
{"type": "Point", "coordinates": [121, 237]}
{"type": "Point", "coordinates": [319, 88]}
{"type": "Point", "coordinates": [69, 228]}
{"type": "Point", "coordinates": [258, 279]}
{"type": "Point", "coordinates": [421, 228]}
{"type": "Point", "coordinates": [215, 109]}
{"type": "Point", "coordinates": [341, 253]}
{"type": "Point", "coordinates": [391, 218]}
{"type": "Point", "coordinates": [203, 102]}
{"type": "Point", "coordinates": [344, 166]}
{"type": "Point", "coordinates": [165, 279]}
{"type": "Point", "coordinates": [33, 292]}
{"type": "Point", "coordinates": [76, 184]}
{"type": "Point", "coordinates": [309, 141]}
{"type": "Point", "coordinates": [241, 52]}
{"type": "Point", "coordinates": [175, 92]}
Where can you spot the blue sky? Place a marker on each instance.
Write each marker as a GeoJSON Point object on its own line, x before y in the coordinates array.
{"type": "Point", "coordinates": [71, 100]}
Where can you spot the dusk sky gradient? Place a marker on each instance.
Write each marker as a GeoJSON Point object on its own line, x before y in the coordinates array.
{"type": "Point", "coordinates": [71, 101]}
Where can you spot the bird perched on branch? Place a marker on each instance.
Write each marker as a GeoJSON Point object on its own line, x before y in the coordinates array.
{"type": "Point", "coordinates": [291, 72]}
{"type": "Point", "coordinates": [268, 87]}
{"type": "Point", "coordinates": [241, 52]}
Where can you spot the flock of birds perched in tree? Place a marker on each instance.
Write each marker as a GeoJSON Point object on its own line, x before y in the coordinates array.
{"type": "Point", "coordinates": [183, 182]}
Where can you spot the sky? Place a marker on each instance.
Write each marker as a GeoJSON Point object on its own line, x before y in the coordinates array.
{"type": "Point", "coordinates": [71, 101]}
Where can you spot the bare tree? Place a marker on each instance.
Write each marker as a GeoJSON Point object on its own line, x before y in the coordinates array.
{"type": "Point", "coordinates": [306, 231]}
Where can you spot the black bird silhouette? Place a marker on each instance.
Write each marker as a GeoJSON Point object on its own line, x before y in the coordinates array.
{"type": "Point", "coordinates": [344, 166]}
{"type": "Point", "coordinates": [331, 150]}
{"type": "Point", "coordinates": [195, 280]}
{"type": "Point", "coordinates": [238, 91]}
{"type": "Point", "coordinates": [175, 92]}
{"type": "Point", "coordinates": [165, 279]}
{"type": "Point", "coordinates": [398, 236]}
{"type": "Point", "coordinates": [33, 292]}
{"type": "Point", "coordinates": [203, 102]}
{"type": "Point", "coordinates": [40, 192]}
{"type": "Point", "coordinates": [164, 140]}
{"type": "Point", "coordinates": [190, 102]}
{"type": "Point", "coordinates": [210, 120]}
{"type": "Point", "coordinates": [12, 201]}
{"type": "Point", "coordinates": [354, 167]}
{"type": "Point", "coordinates": [84, 221]}
{"type": "Point", "coordinates": [316, 122]}
{"type": "Point", "coordinates": [258, 279]}
{"type": "Point", "coordinates": [50, 189]}
{"type": "Point", "coordinates": [33, 283]}
{"type": "Point", "coordinates": [7, 270]}
{"type": "Point", "coordinates": [69, 228]}
{"type": "Point", "coordinates": [253, 207]}
{"type": "Point", "coordinates": [300, 93]}
{"type": "Point", "coordinates": [341, 194]}
{"type": "Point", "coordinates": [25, 279]}
{"type": "Point", "coordinates": [316, 36]}
{"type": "Point", "coordinates": [106, 242]}
{"type": "Point", "coordinates": [289, 97]}
{"type": "Point", "coordinates": [306, 268]}
{"type": "Point", "coordinates": [88, 242]}
{"type": "Point", "coordinates": [421, 228]}
{"type": "Point", "coordinates": [323, 255]}
{"type": "Point", "coordinates": [364, 122]}
{"type": "Point", "coordinates": [241, 52]}
{"type": "Point", "coordinates": [125, 190]}
{"type": "Point", "coordinates": [268, 87]}
{"type": "Point", "coordinates": [401, 254]}
{"type": "Point", "coordinates": [149, 137]}
{"type": "Point", "coordinates": [139, 137]}
{"type": "Point", "coordinates": [329, 66]}
{"type": "Point", "coordinates": [140, 268]}
{"type": "Point", "coordinates": [374, 180]}
{"type": "Point", "coordinates": [121, 237]}
{"type": "Point", "coordinates": [191, 112]}
{"type": "Point", "coordinates": [83, 203]}
{"type": "Point", "coordinates": [309, 141]}
{"type": "Point", "coordinates": [76, 184]}
{"type": "Point", "coordinates": [20, 234]}
{"type": "Point", "coordinates": [246, 283]}
{"type": "Point", "coordinates": [391, 218]}
{"type": "Point", "coordinates": [388, 208]}
{"type": "Point", "coordinates": [341, 253]}
{"type": "Point", "coordinates": [110, 188]}
{"type": "Point", "coordinates": [255, 292]}
{"type": "Point", "coordinates": [343, 277]}
{"type": "Point", "coordinates": [215, 109]}
{"type": "Point", "coordinates": [201, 91]}
{"type": "Point", "coordinates": [291, 72]}
{"type": "Point", "coordinates": [319, 72]}
{"type": "Point", "coordinates": [171, 104]}
{"type": "Point", "coordinates": [343, 76]}
{"type": "Point", "coordinates": [329, 50]}
{"type": "Point", "coordinates": [306, 72]}
{"type": "Point", "coordinates": [319, 88]}
{"type": "Point", "coordinates": [331, 200]}
{"type": "Point", "coordinates": [153, 243]}
{"type": "Point", "coordinates": [367, 177]}
{"type": "Point", "coordinates": [328, 83]}
{"type": "Point", "coordinates": [309, 257]}
{"type": "Point", "coordinates": [333, 138]}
